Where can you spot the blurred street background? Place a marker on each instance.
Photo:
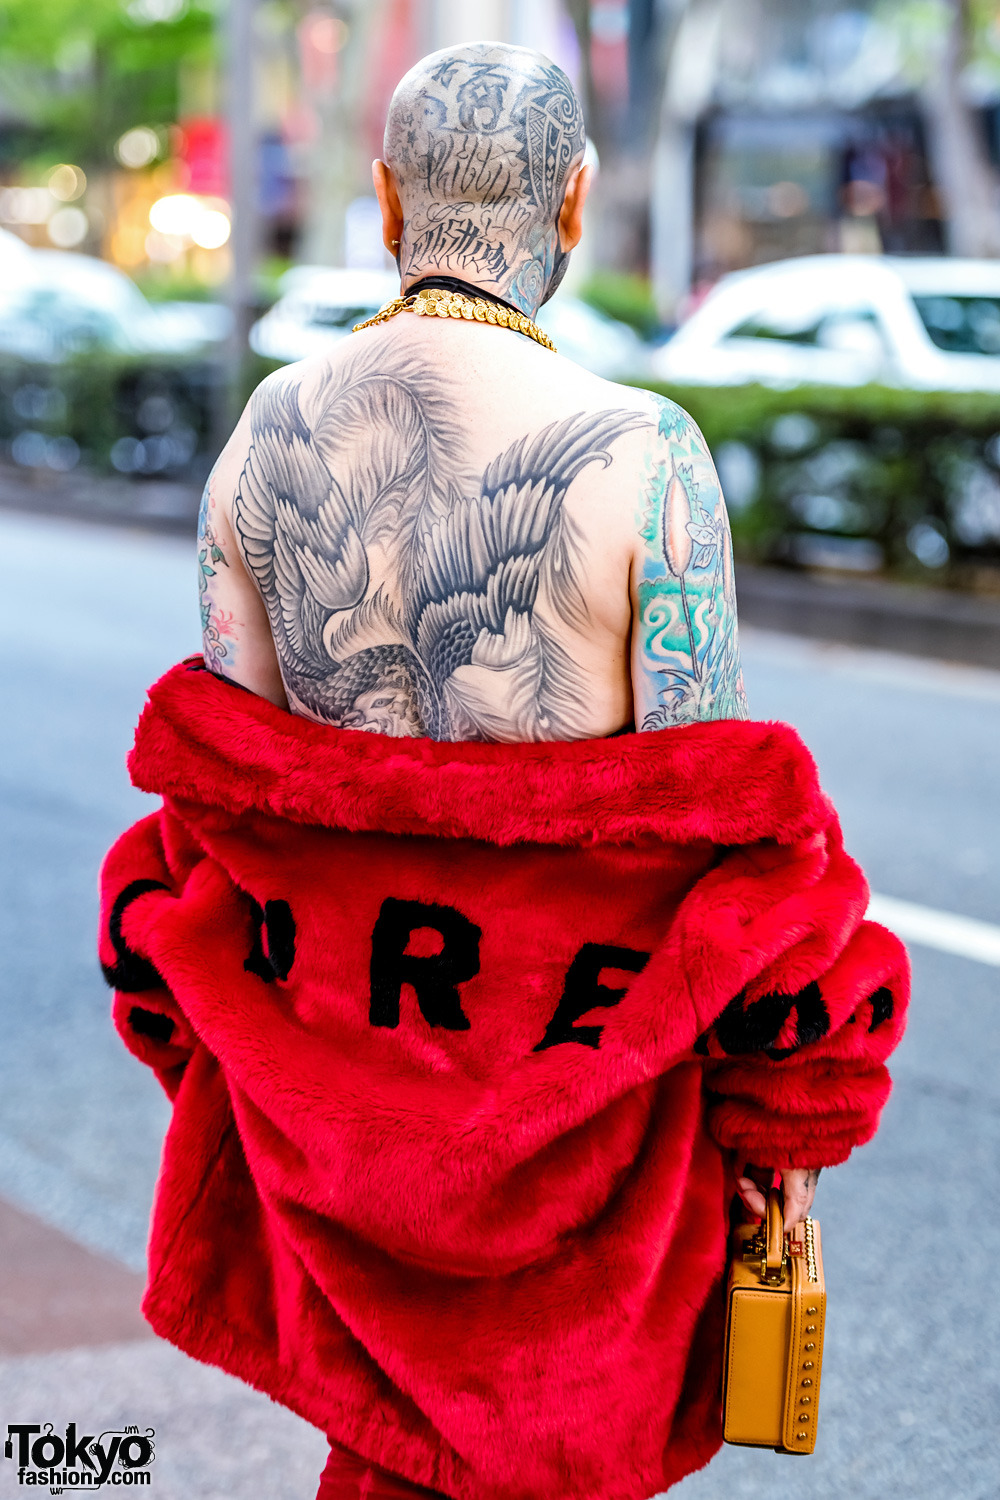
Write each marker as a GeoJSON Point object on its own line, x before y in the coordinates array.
{"type": "Point", "coordinates": [795, 232]}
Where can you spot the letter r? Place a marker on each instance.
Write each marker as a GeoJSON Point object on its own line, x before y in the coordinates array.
{"type": "Point", "coordinates": [435, 979]}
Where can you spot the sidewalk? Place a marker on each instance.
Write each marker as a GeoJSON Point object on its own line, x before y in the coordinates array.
{"type": "Point", "coordinates": [112, 499]}
{"type": "Point", "coordinates": [75, 1348]}
{"type": "Point", "coordinates": [890, 616]}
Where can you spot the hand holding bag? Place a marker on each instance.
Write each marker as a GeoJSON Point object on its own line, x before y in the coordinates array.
{"type": "Point", "coordinates": [776, 1311]}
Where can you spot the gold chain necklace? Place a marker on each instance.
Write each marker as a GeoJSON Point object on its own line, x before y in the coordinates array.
{"type": "Point", "coordinates": [435, 303]}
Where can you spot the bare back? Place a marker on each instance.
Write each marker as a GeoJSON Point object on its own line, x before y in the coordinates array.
{"type": "Point", "coordinates": [442, 529]}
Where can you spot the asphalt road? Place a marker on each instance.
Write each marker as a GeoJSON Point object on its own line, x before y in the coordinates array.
{"type": "Point", "coordinates": [910, 753]}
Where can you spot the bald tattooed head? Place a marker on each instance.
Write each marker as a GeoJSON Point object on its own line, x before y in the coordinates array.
{"type": "Point", "coordinates": [482, 140]}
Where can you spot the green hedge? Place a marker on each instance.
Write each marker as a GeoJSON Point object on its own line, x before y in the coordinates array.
{"type": "Point", "coordinates": [94, 410]}
{"type": "Point", "coordinates": [626, 297]}
{"type": "Point", "coordinates": [869, 477]}
{"type": "Point", "coordinates": [82, 411]}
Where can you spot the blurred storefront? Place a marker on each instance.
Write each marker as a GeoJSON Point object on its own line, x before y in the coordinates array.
{"type": "Point", "coordinates": [117, 137]}
{"type": "Point", "coordinates": [791, 127]}
{"type": "Point", "coordinates": [773, 185]}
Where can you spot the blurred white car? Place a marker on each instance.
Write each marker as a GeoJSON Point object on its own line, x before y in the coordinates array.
{"type": "Point", "coordinates": [593, 340]}
{"type": "Point", "coordinates": [319, 306]}
{"type": "Point", "coordinates": [55, 303]}
{"type": "Point", "coordinates": [13, 250]}
{"type": "Point", "coordinates": [922, 323]}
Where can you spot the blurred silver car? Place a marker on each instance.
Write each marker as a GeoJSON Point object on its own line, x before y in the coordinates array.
{"type": "Point", "coordinates": [592, 339]}
{"type": "Point", "coordinates": [319, 305]}
{"type": "Point", "coordinates": [55, 303]}
{"type": "Point", "coordinates": [922, 323]}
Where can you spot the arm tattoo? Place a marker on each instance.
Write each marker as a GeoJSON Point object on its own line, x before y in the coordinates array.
{"type": "Point", "coordinates": [482, 149]}
{"type": "Point", "coordinates": [373, 460]}
{"type": "Point", "coordinates": [687, 596]}
{"type": "Point", "coordinates": [217, 632]}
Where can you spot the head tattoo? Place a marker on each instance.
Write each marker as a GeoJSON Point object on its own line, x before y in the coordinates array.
{"type": "Point", "coordinates": [482, 139]}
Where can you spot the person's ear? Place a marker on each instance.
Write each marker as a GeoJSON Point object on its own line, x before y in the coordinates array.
{"type": "Point", "coordinates": [392, 210]}
{"type": "Point", "coordinates": [571, 213]}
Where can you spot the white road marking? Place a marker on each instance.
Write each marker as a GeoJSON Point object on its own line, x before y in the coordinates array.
{"type": "Point", "coordinates": [966, 936]}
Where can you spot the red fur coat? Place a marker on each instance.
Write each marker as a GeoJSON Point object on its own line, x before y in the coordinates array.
{"type": "Point", "coordinates": [459, 1037]}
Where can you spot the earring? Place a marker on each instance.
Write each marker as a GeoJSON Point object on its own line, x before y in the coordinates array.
{"type": "Point", "coordinates": [395, 242]}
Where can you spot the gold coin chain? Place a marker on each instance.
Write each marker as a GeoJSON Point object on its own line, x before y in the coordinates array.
{"type": "Point", "coordinates": [812, 1270]}
{"type": "Point", "coordinates": [433, 303]}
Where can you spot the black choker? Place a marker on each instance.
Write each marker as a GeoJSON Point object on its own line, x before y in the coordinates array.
{"type": "Point", "coordinates": [452, 284]}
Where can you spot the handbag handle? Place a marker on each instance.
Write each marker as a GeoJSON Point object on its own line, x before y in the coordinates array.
{"type": "Point", "coordinates": [774, 1237]}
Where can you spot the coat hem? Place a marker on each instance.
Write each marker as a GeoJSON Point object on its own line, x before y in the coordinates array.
{"type": "Point", "coordinates": [211, 1342]}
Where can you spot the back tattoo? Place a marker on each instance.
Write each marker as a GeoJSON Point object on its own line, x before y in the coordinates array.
{"type": "Point", "coordinates": [378, 463]}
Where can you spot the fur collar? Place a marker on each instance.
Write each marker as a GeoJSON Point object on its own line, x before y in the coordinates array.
{"type": "Point", "coordinates": [202, 739]}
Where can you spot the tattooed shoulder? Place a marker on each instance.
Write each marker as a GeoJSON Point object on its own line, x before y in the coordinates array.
{"type": "Point", "coordinates": [217, 633]}
{"type": "Point", "coordinates": [686, 660]}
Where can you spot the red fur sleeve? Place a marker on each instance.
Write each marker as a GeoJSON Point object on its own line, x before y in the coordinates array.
{"type": "Point", "coordinates": [795, 1068]}
{"type": "Point", "coordinates": [137, 874]}
{"type": "Point", "coordinates": [809, 1107]}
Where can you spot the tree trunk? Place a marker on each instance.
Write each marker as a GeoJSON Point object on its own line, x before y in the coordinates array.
{"type": "Point", "coordinates": [339, 168]}
{"type": "Point", "coordinates": [965, 179]}
{"type": "Point", "coordinates": [689, 82]}
{"type": "Point", "coordinates": [620, 221]}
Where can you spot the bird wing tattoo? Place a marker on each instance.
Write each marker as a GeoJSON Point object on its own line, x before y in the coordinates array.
{"type": "Point", "coordinates": [297, 531]}
{"type": "Point", "coordinates": [480, 565]}
{"type": "Point", "coordinates": [373, 459]}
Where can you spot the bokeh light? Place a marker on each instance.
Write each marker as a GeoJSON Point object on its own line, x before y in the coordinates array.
{"type": "Point", "coordinates": [155, 12]}
{"type": "Point", "coordinates": [211, 229]}
{"type": "Point", "coordinates": [67, 183]}
{"type": "Point", "coordinates": [175, 214]}
{"type": "Point", "coordinates": [138, 147]}
{"type": "Point", "coordinates": [25, 205]}
{"type": "Point", "coordinates": [68, 228]}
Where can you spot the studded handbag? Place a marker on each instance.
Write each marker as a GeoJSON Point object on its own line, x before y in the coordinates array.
{"type": "Point", "coordinates": [776, 1310]}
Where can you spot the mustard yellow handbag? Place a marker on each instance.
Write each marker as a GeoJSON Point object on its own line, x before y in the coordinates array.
{"type": "Point", "coordinates": [776, 1310]}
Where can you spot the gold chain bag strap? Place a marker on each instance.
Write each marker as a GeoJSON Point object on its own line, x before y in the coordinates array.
{"type": "Point", "coordinates": [775, 1316]}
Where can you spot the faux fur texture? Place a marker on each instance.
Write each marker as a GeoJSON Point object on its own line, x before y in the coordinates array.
{"type": "Point", "coordinates": [461, 1039]}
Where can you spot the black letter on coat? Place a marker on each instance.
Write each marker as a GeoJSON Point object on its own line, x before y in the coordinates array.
{"type": "Point", "coordinates": [435, 978]}
{"type": "Point", "coordinates": [132, 973]}
{"type": "Point", "coordinates": [151, 1023]}
{"type": "Point", "coordinates": [275, 919]}
{"type": "Point", "coordinates": [882, 1007]}
{"type": "Point", "coordinates": [742, 1029]}
{"type": "Point", "coordinates": [582, 991]}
